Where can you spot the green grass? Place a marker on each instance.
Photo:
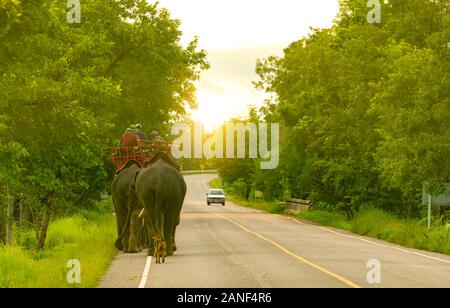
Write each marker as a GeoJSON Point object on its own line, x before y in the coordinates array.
{"type": "Point", "coordinates": [327, 219]}
{"type": "Point", "coordinates": [216, 183]}
{"type": "Point", "coordinates": [381, 225]}
{"type": "Point", "coordinates": [89, 241]}
{"type": "Point", "coordinates": [268, 206]}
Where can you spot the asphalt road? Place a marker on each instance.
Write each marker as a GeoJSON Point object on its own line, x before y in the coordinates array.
{"type": "Point", "coordinates": [236, 247]}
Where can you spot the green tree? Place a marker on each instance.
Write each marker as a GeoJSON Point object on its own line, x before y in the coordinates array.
{"type": "Point", "coordinates": [69, 90]}
{"type": "Point", "coordinates": [414, 107]}
{"type": "Point", "coordinates": [364, 107]}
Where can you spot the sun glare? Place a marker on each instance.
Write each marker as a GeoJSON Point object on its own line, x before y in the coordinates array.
{"type": "Point", "coordinates": [235, 34]}
{"type": "Point", "coordinates": [228, 101]}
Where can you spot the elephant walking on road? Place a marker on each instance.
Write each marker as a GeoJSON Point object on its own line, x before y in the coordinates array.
{"type": "Point", "coordinates": [160, 190]}
{"type": "Point", "coordinates": [129, 226]}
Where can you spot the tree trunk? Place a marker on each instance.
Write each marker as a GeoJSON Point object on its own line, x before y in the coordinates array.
{"type": "Point", "coordinates": [24, 214]}
{"type": "Point", "coordinates": [10, 222]}
{"type": "Point", "coordinates": [247, 193]}
{"type": "Point", "coordinates": [42, 233]}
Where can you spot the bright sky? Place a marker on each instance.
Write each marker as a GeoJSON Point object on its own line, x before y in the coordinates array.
{"type": "Point", "coordinates": [235, 33]}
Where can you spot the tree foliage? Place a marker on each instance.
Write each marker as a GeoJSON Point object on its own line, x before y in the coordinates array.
{"type": "Point", "coordinates": [69, 90]}
{"type": "Point", "coordinates": [364, 107]}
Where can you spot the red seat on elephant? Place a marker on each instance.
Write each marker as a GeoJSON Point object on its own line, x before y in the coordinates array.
{"type": "Point", "coordinates": [129, 140]}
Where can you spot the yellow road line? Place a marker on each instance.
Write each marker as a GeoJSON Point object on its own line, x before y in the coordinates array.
{"type": "Point", "coordinates": [286, 251]}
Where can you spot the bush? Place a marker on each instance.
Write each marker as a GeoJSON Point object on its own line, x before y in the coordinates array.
{"type": "Point", "coordinates": [275, 209]}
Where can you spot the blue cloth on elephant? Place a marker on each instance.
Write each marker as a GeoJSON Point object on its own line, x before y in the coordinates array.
{"type": "Point", "coordinates": [142, 135]}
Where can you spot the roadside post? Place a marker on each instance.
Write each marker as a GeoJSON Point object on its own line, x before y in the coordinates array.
{"type": "Point", "coordinates": [430, 201]}
{"type": "Point", "coordinates": [442, 200]}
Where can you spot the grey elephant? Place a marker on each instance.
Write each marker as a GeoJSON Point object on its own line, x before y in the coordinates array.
{"type": "Point", "coordinates": [160, 190]}
{"type": "Point", "coordinates": [130, 235]}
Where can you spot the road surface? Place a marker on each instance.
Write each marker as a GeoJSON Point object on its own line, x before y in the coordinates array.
{"type": "Point", "coordinates": [236, 247]}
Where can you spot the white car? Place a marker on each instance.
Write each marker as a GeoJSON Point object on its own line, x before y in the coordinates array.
{"type": "Point", "coordinates": [216, 196]}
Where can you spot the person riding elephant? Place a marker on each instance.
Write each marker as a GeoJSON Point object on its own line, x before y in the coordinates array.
{"type": "Point", "coordinates": [139, 131]}
{"type": "Point", "coordinates": [156, 136]}
{"type": "Point", "coordinates": [130, 137]}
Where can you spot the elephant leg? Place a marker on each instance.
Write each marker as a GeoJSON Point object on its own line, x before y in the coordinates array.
{"type": "Point", "coordinates": [157, 250]}
{"type": "Point", "coordinates": [120, 225]}
{"type": "Point", "coordinates": [143, 242]}
{"type": "Point", "coordinates": [133, 240]}
{"type": "Point", "coordinates": [174, 245]}
{"type": "Point", "coordinates": [159, 239]}
{"type": "Point", "coordinates": [168, 234]}
{"type": "Point", "coordinates": [163, 251]}
{"type": "Point", "coordinates": [150, 231]}
{"type": "Point", "coordinates": [160, 251]}
{"type": "Point", "coordinates": [142, 238]}
{"type": "Point", "coordinates": [151, 246]}
{"type": "Point", "coordinates": [125, 239]}
{"type": "Point", "coordinates": [150, 239]}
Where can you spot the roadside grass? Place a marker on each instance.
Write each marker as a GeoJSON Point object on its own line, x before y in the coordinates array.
{"type": "Point", "coordinates": [270, 207]}
{"type": "Point", "coordinates": [412, 233]}
{"type": "Point", "coordinates": [325, 218]}
{"type": "Point", "coordinates": [89, 241]}
{"type": "Point", "coordinates": [375, 223]}
{"type": "Point", "coordinates": [216, 183]}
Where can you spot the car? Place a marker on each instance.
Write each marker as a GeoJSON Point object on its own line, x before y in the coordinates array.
{"type": "Point", "coordinates": [216, 196]}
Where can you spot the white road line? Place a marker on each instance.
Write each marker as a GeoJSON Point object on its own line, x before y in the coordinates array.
{"type": "Point", "coordinates": [385, 246]}
{"type": "Point", "coordinates": [300, 223]}
{"type": "Point", "coordinates": [144, 278]}
{"type": "Point", "coordinates": [373, 243]}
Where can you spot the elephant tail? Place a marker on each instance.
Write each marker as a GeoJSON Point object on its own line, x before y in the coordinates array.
{"type": "Point", "coordinates": [158, 216]}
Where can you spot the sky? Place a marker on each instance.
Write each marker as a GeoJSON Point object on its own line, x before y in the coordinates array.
{"type": "Point", "coordinates": [235, 33]}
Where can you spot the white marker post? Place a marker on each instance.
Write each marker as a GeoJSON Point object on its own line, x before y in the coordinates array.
{"type": "Point", "coordinates": [429, 210]}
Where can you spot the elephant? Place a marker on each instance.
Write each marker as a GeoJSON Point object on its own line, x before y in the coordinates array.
{"type": "Point", "coordinates": [129, 225]}
{"type": "Point", "coordinates": [160, 190]}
